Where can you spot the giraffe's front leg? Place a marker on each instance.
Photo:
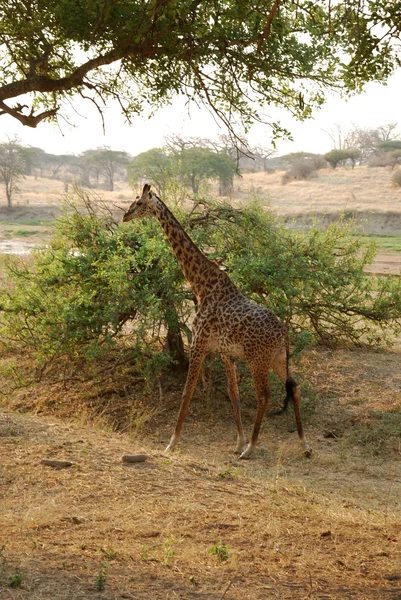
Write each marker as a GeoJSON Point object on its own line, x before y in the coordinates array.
{"type": "Point", "coordinates": [195, 363]}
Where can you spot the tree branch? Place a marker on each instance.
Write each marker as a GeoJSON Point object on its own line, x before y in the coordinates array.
{"type": "Point", "coordinates": [259, 39]}
{"type": "Point", "coordinates": [30, 120]}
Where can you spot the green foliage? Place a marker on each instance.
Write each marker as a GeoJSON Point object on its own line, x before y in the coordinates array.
{"type": "Point", "coordinates": [191, 165]}
{"type": "Point", "coordinates": [312, 280]}
{"type": "Point", "coordinates": [101, 290]}
{"type": "Point", "coordinates": [220, 550]}
{"type": "Point", "coordinates": [199, 164]}
{"type": "Point", "coordinates": [104, 162]}
{"type": "Point", "coordinates": [77, 298]}
{"type": "Point", "coordinates": [336, 157]}
{"type": "Point", "coordinates": [389, 145]}
{"type": "Point", "coordinates": [15, 580]}
{"type": "Point", "coordinates": [157, 166]}
{"type": "Point", "coordinates": [236, 56]}
{"type": "Point", "coordinates": [100, 581]}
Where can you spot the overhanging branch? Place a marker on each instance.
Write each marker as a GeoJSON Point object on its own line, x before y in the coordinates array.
{"type": "Point", "coordinates": [30, 120]}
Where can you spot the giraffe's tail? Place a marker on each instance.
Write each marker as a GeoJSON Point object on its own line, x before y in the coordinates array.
{"type": "Point", "coordinates": [289, 386]}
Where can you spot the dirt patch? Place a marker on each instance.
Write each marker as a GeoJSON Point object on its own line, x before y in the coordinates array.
{"type": "Point", "coordinates": [200, 523]}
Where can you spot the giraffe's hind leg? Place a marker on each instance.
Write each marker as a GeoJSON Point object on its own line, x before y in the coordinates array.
{"type": "Point", "coordinates": [280, 368]}
{"type": "Point", "coordinates": [233, 394]}
{"type": "Point", "coordinates": [259, 376]}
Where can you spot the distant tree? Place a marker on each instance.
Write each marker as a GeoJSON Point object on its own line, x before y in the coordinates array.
{"type": "Point", "coordinates": [12, 166]}
{"type": "Point", "coordinates": [288, 160]}
{"type": "Point", "coordinates": [336, 156]}
{"type": "Point", "coordinates": [107, 162]}
{"type": "Point", "coordinates": [56, 164]}
{"type": "Point", "coordinates": [368, 140]}
{"type": "Point", "coordinates": [156, 166]}
{"type": "Point", "coordinates": [199, 164]}
{"type": "Point", "coordinates": [389, 145]}
{"type": "Point", "coordinates": [35, 158]}
{"type": "Point", "coordinates": [199, 159]}
{"type": "Point", "coordinates": [388, 132]}
{"type": "Point", "coordinates": [354, 154]}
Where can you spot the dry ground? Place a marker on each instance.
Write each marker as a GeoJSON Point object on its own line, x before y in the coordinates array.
{"type": "Point", "coordinates": [291, 528]}
{"type": "Point", "coordinates": [362, 189]}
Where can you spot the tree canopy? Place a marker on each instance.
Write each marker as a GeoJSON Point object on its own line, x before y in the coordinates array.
{"type": "Point", "coordinates": [235, 56]}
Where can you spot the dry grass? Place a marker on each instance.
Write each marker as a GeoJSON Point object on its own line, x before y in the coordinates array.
{"type": "Point", "coordinates": [325, 528]}
{"type": "Point", "coordinates": [362, 189]}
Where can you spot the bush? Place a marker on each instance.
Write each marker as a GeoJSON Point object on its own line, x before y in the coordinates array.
{"type": "Point", "coordinates": [97, 289]}
{"type": "Point", "coordinates": [388, 159]}
{"type": "Point", "coordinates": [300, 171]}
{"type": "Point", "coordinates": [101, 291]}
{"type": "Point", "coordinates": [382, 160]}
{"type": "Point", "coordinates": [396, 179]}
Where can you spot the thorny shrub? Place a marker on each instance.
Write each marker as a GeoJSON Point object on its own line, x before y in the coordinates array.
{"type": "Point", "coordinates": [103, 289]}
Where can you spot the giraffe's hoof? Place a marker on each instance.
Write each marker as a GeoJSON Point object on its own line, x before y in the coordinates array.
{"type": "Point", "coordinates": [246, 455]}
{"type": "Point", "coordinates": [240, 449]}
{"type": "Point", "coordinates": [308, 452]}
{"type": "Point", "coordinates": [173, 443]}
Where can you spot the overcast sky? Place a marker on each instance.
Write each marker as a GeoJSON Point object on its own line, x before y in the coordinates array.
{"type": "Point", "coordinates": [377, 105]}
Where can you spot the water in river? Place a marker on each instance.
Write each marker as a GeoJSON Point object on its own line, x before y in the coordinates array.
{"type": "Point", "coordinates": [16, 247]}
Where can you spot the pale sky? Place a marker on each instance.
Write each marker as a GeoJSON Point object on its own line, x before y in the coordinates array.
{"type": "Point", "coordinates": [377, 105]}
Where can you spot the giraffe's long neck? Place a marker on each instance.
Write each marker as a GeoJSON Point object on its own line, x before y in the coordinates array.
{"type": "Point", "coordinates": [199, 271]}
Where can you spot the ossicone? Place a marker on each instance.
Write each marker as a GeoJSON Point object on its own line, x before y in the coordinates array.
{"type": "Point", "coordinates": [146, 188]}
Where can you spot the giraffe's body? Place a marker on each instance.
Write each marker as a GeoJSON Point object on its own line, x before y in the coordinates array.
{"type": "Point", "coordinates": [227, 323]}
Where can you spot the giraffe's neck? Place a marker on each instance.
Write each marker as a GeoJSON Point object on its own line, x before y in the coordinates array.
{"type": "Point", "coordinates": [201, 273]}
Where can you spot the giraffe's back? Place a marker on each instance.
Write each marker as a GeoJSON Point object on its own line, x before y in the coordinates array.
{"type": "Point", "coordinates": [239, 327]}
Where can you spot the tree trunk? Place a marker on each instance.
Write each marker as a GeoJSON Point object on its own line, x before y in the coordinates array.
{"type": "Point", "coordinates": [175, 347]}
{"type": "Point", "coordinates": [8, 194]}
{"type": "Point", "coordinates": [174, 341]}
{"type": "Point", "coordinates": [226, 186]}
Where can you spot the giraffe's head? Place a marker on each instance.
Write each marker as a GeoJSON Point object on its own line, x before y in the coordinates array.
{"type": "Point", "coordinates": [143, 205]}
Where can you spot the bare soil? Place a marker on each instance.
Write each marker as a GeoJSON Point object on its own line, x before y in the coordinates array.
{"type": "Point", "coordinates": [199, 523]}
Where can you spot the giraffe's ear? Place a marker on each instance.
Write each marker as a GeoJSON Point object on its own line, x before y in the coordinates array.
{"type": "Point", "coordinates": [146, 189]}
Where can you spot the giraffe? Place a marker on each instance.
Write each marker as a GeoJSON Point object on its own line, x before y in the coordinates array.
{"type": "Point", "coordinates": [228, 323]}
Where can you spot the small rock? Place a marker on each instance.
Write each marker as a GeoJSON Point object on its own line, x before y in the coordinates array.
{"type": "Point", "coordinates": [134, 458]}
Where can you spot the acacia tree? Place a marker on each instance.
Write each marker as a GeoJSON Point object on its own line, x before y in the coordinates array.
{"type": "Point", "coordinates": [197, 164]}
{"type": "Point", "coordinates": [156, 165]}
{"type": "Point", "coordinates": [337, 156]}
{"type": "Point", "coordinates": [234, 56]}
{"type": "Point", "coordinates": [368, 140]}
{"type": "Point", "coordinates": [106, 162]}
{"type": "Point", "coordinates": [12, 166]}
